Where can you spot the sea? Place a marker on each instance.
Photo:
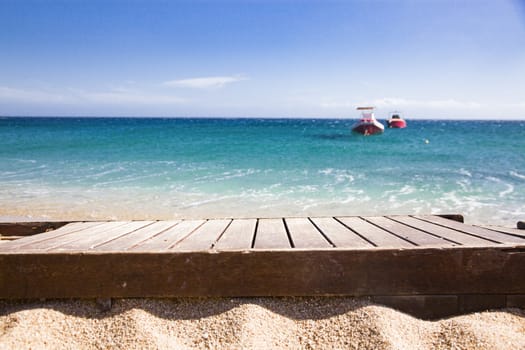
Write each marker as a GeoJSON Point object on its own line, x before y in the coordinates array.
{"type": "Point", "coordinates": [165, 168]}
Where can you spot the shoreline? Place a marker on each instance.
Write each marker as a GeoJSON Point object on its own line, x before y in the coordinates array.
{"type": "Point", "coordinates": [14, 218]}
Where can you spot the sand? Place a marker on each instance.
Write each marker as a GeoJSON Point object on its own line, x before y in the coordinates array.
{"type": "Point", "coordinates": [248, 323]}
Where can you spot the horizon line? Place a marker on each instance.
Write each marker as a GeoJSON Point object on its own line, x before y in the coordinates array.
{"type": "Point", "coordinates": [248, 117]}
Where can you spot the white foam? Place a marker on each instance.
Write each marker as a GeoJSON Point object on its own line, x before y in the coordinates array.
{"type": "Point", "coordinates": [327, 171]}
{"type": "Point", "coordinates": [464, 184]}
{"type": "Point", "coordinates": [509, 190]}
{"type": "Point", "coordinates": [517, 175]}
{"type": "Point", "coordinates": [492, 178]}
{"type": "Point", "coordinates": [407, 189]}
{"type": "Point", "coordinates": [465, 172]}
{"type": "Point", "coordinates": [340, 175]}
{"type": "Point", "coordinates": [32, 161]}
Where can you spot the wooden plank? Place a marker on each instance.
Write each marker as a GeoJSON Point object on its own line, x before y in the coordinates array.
{"type": "Point", "coordinates": [473, 230]}
{"type": "Point", "coordinates": [170, 237]}
{"type": "Point", "coordinates": [271, 234]}
{"type": "Point", "coordinates": [63, 232]}
{"type": "Point", "coordinates": [134, 238]}
{"type": "Point", "coordinates": [239, 235]}
{"type": "Point", "coordinates": [305, 235]}
{"type": "Point", "coordinates": [357, 272]}
{"type": "Point", "coordinates": [512, 231]}
{"type": "Point", "coordinates": [29, 228]}
{"type": "Point", "coordinates": [204, 237]}
{"type": "Point", "coordinates": [56, 241]}
{"type": "Point", "coordinates": [439, 231]}
{"type": "Point", "coordinates": [338, 234]}
{"type": "Point", "coordinates": [374, 234]}
{"type": "Point", "coordinates": [421, 238]}
{"type": "Point", "coordinates": [90, 239]}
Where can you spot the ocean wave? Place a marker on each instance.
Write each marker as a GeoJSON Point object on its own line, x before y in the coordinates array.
{"type": "Point", "coordinates": [206, 201]}
{"type": "Point", "coordinates": [31, 161]}
{"type": "Point", "coordinates": [517, 175]}
{"type": "Point", "coordinates": [509, 190]}
{"type": "Point", "coordinates": [103, 173]}
{"type": "Point", "coordinates": [127, 179]}
{"type": "Point", "coordinates": [509, 187]}
{"type": "Point", "coordinates": [227, 175]}
{"type": "Point", "coordinates": [340, 175]}
{"type": "Point", "coordinates": [493, 179]}
{"type": "Point", "coordinates": [307, 188]}
{"type": "Point", "coordinates": [465, 172]}
{"type": "Point", "coordinates": [465, 185]}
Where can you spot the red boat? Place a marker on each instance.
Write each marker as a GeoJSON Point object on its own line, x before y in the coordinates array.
{"type": "Point", "coordinates": [368, 125]}
{"type": "Point", "coordinates": [396, 121]}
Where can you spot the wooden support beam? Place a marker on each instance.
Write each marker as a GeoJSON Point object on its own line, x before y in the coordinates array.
{"type": "Point", "coordinates": [290, 272]}
{"type": "Point", "coordinates": [29, 228]}
{"type": "Point", "coordinates": [454, 217]}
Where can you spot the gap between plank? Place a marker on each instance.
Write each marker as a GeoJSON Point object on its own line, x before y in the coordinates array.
{"type": "Point", "coordinates": [458, 230]}
{"type": "Point", "coordinates": [387, 230]}
{"type": "Point", "coordinates": [290, 240]}
{"type": "Point", "coordinates": [221, 234]}
{"type": "Point", "coordinates": [321, 232]}
{"type": "Point", "coordinates": [428, 233]}
{"type": "Point", "coordinates": [189, 234]}
{"type": "Point", "coordinates": [366, 239]}
{"type": "Point", "coordinates": [255, 233]}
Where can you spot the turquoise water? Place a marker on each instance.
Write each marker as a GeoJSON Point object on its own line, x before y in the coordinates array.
{"type": "Point", "coordinates": [121, 168]}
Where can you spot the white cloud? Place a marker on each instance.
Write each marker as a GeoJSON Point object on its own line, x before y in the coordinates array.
{"type": "Point", "coordinates": [31, 96]}
{"type": "Point", "coordinates": [72, 96]}
{"type": "Point", "coordinates": [394, 102]}
{"type": "Point", "coordinates": [117, 97]}
{"type": "Point", "coordinates": [205, 82]}
{"type": "Point", "coordinates": [445, 104]}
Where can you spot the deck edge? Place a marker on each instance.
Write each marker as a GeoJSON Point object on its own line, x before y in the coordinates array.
{"type": "Point", "coordinates": [466, 270]}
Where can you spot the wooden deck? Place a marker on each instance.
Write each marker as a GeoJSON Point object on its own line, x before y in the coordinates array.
{"type": "Point", "coordinates": [372, 256]}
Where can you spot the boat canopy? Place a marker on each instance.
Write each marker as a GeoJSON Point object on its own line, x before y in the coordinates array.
{"type": "Point", "coordinates": [366, 112]}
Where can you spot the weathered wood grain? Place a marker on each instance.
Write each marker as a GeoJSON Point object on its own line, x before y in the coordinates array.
{"type": "Point", "coordinates": [203, 237]}
{"type": "Point", "coordinates": [134, 238]}
{"type": "Point", "coordinates": [374, 234]}
{"type": "Point", "coordinates": [305, 235]}
{"type": "Point", "coordinates": [58, 240]}
{"type": "Point", "coordinates": [443, 232]}
{"type": "Point", "coordinates": [170, 237]}
{"type": "Point", "coordinates": [239, 235]}
{"type": "Point", "coordinates": [474, 230]}
{"type": "Point", "coordinates": [422, 271]}
{"type": "Point", "coordinates": [338, 234]}
{"type": "Point", "coordinates": [418, 237]}
{"type": "Point", "coordinates": [60, 232]}
{"type": "Point", "coordinates": [88, 241]}
{"type": "Point", "coordinates": [512, 231]}
{"type": "Point", "coordinates": [271, 234]}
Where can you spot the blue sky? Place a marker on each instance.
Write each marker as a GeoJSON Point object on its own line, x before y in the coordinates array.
{"type": "Point", "coordinates": [427, 58]}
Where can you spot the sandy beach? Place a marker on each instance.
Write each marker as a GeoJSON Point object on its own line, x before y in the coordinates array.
{"type": "Point", "coordinates": [248, 323]}
{"type": "Point", "coordinates": [231, 172]}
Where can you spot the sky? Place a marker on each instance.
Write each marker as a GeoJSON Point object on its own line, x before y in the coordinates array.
{"type": "Point", "coordinates": [313, 59]}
